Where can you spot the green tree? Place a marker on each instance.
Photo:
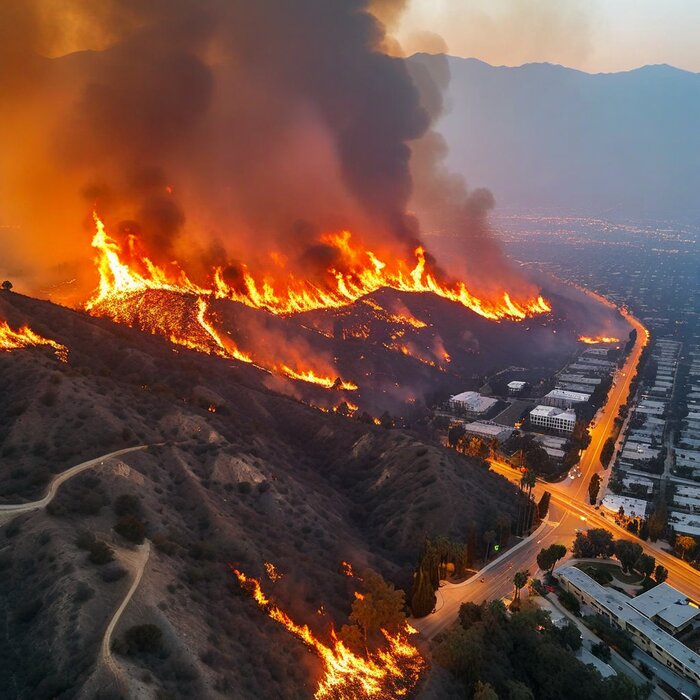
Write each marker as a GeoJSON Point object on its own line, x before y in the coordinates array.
{"type": "Point", "coordinates": [684, 545]}
{"type": "Point", "coordinates": [660, 574]}
{"type": "Point", "coordinates": [469, 613]}
{"type": "Point", "coordinates": [569, 636]}
{"type": "Point", "coordinates": [607, 452]}
{"type": "Point", "coordinates": [593, 488]}
{"type": "Point", "coordinates": [423, 598]}
{"type": "Point", "coordinates": [101, 553]}
{"type": "Point", "coordinates": [547, 558]}
{"type": "Point", "coordinates": [657, 521]}
{"type": "Point", "coordinates": [131, 528]}
{"type": "Point", "coordinates": [489, 539]}
{"type": "Point", "coordinates": [380, 608]}
{"type": "Point", "coordinates": [602, 651]}
{"type": "Point", "coordinates": [628, 553]}
{"type": "Point", "coordinates": [645, 565]}
{"type": "Point", "coordinates": [594, 543]}
{"type": "Point", "coordinates": [519, 580]}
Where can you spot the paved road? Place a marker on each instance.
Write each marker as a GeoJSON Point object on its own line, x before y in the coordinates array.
{"type": "Point", "coordinates": [8, 511]}
{"type": "Point", "coordinates": [569, 511]}
{"type": "Point", "coordinates": [617, 396]}
{"type": "Point", "coordinates": [559, 528]}
{"type": "Point", "coordinates": [680, 574]}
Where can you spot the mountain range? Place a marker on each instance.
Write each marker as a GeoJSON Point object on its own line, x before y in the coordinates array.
{"type": "Point", "coordinates": [546, 137]}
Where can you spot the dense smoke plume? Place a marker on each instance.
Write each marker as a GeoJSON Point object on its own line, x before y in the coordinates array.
{"type": "Point", "coordinates": [216, 131]}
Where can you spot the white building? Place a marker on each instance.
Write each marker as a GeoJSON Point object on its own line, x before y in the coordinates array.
{"type": "Point", "coordinates": [667, 607]}
{"type": "Point", "coordinates": [472, 403]}
{"type": "Point", "coordinates": [632, 507]}
{"type": "Point", "coordinates": [616, 608]}
{"type": "Point", "coordinates": [515, 387]}
{"type": "Point", "coordinates": [488, 430]}
{"type": "Point", "coordinates": [685, 523]}
{"type": "Point", "coordinates": [553, 418]}
{"type": "Point", "coordinates": [564, 399]}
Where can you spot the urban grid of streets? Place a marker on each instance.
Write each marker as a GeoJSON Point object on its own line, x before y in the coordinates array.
{"type": "Point", "coordinates": [569, 512]}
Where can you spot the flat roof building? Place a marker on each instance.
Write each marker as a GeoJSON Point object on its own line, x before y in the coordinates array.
{"type": "Point", "coordinates": [488, 430]}
{"type": "Point", "coordinates": [617, 609]}
{"type": "Point", "coordinates": [632, 507]}
{"type": "Point", "coordinates": [472, 402]}
{"type": "Point", "coordinates": [563, 398]}
{"type": "Point", "coordinates": [515, 387]}
{"type": "Point", "coordinates": [554, 418]}
{"type": "Point", "coordinates": [668, 607]}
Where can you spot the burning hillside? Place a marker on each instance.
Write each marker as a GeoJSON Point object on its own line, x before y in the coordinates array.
{"type": "Point", "coordinates": [387, 673]}
{"type": "Point", "coordinates": [164, 301]}
{"type": "Point", "coordinates": [25, 337]}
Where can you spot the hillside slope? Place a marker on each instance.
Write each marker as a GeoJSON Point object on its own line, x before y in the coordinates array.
{"type": "Point", "coordinates": [233, 472]}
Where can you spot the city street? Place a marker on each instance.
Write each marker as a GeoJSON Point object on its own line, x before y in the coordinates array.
{"type": "Point", "coordinates": [569, 512]}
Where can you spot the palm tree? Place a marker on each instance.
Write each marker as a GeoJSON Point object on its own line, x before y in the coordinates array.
{"type": "Point", "coordinates": [519, 580]}
{"type": "Point", "coordinates": [489, 537]}
{"type": "Point", "coordinates": [503, 525]}
{"type": "Point", "coordinates": [527, 481]}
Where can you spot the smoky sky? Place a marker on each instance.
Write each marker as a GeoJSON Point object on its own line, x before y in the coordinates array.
{"type": "Point", "coordinates": [215, 129]}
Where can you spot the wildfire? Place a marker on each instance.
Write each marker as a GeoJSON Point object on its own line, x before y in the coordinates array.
{"type": "Point", "coordinates": [271, 571]}
{"type": "Point", "coordinates": [132, 293]}
{"type": "Point", "coordinates": [25, 337]}
{"type": "Point", "coordinates": [366, 273]}
{"type": "Point", "coordinates": [598, 340]}
{"type": "Point", "coordinates": [346, 568]}
{"type": "Point", "coordinates": [384, 674]}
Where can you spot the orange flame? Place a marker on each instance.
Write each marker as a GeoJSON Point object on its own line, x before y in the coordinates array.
{"type": "Point", "coordinates": [271, 571]}
{"type": "Point", "coordinates": [385, 674]}
{"type": "Point", "coordinates": [25, 337]}
{"type": "Point", "coordinates": [120, 296]}
{"type": "Point", "coordinates": [598, 340]}
{"type": "Point", "coordinates": [367, 274]}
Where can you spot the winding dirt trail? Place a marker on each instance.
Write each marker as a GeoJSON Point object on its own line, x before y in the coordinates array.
{"type": "Point", "coordinates": [9, 511]}
{"type": "Point", "coordinates": [135, 560]}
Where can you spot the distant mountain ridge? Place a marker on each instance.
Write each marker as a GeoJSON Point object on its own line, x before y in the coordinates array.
{"type": "Point", "coordinates": [542, 136]}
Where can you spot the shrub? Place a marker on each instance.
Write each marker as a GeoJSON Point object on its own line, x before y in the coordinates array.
{"type": "Point", "coordinates": [144, 639]}
{"type": "Point", "coordinates": [85, 539]}
{"type": "Point", "coordinates": [101, 553]}
{"type": "Point", "coordinates": [112, 573]}
{"type": "Point", "coordinates": [570, 602]}
{"type": "Point", "coordinates": [83, 592]}
{"type": "Point", "coordinates": [131, 528]}
{"type": "Point", "coordinates": [127, 504]}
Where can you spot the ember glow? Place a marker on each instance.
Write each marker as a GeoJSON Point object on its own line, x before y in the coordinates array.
{"type": "Point", "coordinates": [598, 340]}
{"type": "Point", "coordinates": [25, 337]}
{"type": "Point", "coordinates": [135, 291]}
{"type": "Point", "coordinates": [384, 674]}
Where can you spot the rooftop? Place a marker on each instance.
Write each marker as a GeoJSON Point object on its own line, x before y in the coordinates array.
{"type": "Point", "coordinates": [567, 395]}
{"type": "Point", "coordinates": [631, 506]}
{"type": "Point", "coordinates": [474, 401]}
{"type": "Point", "coordinates": [620, 606]}
{"type": "Point", "coordinates": [667, 603]}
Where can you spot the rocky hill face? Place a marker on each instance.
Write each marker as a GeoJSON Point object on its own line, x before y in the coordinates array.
{"type": "Point", "coordinates": [231, 472]}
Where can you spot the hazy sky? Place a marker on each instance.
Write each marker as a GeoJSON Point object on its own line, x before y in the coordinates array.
{"type": "Point", "coordinates": [593, 35]}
